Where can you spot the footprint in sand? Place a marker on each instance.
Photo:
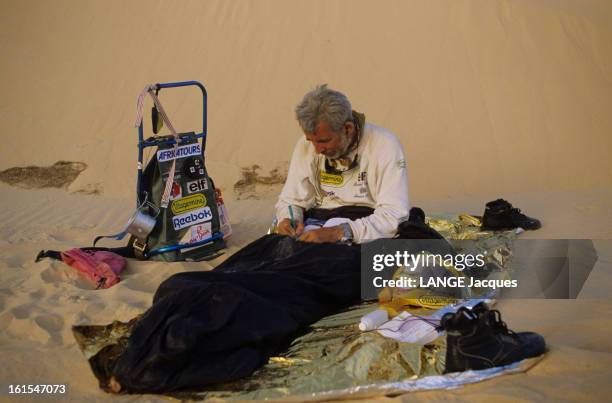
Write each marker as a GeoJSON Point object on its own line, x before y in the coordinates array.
{"type": "Point", "coordinates": [38, 294]}
{"type": "Point", "coordinates": [53, 275]}
{"type": "Point", "coordinates": [50, 322]}
{"type": "Point", "coordinates": [65, 275]}
{"type": "Point", "coordinates": [14, 261]}
{"type": "Point", "coordinates": [22, 311]}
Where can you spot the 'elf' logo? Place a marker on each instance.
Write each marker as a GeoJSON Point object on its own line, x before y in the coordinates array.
{"type": "Point", "coordinates": [197, 186]}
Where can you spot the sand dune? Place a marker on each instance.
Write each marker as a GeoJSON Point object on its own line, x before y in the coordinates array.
{"type": "Point", "coordinates": [501, 95]}
{"type": "Point", "coordinates": [490, 98]}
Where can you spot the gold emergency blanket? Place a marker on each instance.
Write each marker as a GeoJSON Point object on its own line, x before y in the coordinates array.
{"type": "Point", "coordinates": [335, 354]}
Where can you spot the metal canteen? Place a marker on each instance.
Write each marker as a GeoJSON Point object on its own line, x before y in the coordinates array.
{"type": "Point", "coordinates": [140, 225]}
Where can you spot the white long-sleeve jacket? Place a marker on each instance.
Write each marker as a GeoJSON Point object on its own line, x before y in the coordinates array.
{"type": "Point", "coordinates": [380, 181]}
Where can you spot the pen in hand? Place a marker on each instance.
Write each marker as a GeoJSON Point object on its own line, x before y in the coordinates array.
{"type": "Point", "coordinates": [292, 220]}
{"type": "Point", "coordinates": [292, 217]}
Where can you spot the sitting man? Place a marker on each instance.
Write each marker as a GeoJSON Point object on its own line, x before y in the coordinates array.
{"type": "Point", "coordinates": [342, 161]}
{"type": "Point", "coordinates": [212, 327]}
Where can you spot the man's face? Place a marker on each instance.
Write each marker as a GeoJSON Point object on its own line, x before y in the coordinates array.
{"type": "Point", "coordinates": [329, 143]}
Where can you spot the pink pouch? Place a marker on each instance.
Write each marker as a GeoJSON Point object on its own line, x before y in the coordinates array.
{"type": "Point", "coordinates": [102, 268]}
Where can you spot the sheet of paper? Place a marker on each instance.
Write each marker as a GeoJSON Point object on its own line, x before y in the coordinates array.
{"type": "Point", "coordinates": [409, 328]}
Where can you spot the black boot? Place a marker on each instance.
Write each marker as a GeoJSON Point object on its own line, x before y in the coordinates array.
{"type": "Point", "coordinates": [416, 228]}
{"type": "Point", "coordinates": [500, 215]}
{"type": "Point", "coordinates": [479, 339]}
{"type": "Point", "coordinates": [417, 216]}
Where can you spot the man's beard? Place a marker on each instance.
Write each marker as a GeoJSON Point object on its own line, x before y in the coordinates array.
{"type": "Point", "coordinates": [342, 149]}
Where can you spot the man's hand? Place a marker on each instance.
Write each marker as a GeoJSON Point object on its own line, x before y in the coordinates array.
{"type": "Point", "coordinates": [285, 228]}
{"type": "Point", "coordinates": [323, 235]}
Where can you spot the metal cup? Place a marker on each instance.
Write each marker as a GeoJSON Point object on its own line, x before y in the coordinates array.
{"type": "Point", "coordinates": [140, 225]}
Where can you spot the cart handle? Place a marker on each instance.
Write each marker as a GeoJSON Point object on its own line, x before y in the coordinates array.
{"type": "Point", "coordinates": [204, 98]}
{"type": "Point", "coordinates": [204, 107]}
{"type": "Point", "coordinates": [141, 143]}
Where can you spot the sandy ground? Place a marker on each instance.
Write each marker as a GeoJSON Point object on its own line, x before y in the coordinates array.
{"type": "Point", "coordinates": [40, 302]}
{"type": "Point", "coordinates": [490, 99]}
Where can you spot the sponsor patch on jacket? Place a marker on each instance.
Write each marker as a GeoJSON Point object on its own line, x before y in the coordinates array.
{"type": "Point", "coordinates": [188, 203]}
{"type": "Point", "coordinates": [192, 217]}
{"type": "Point", "coordinates": [331, 179]}
{"type": "Point", "coordinates": [176, 192]}
{"type": "Point", "coordinates": [197, 186]}
{"type": "Point", "coordinates": [181, 152]}
{"type": "Point", "coordinates": [200, 232]}
{"type": "Point", "coordinates": [197, 233]}
{"type": "Point", "coordinates": [361, 193]}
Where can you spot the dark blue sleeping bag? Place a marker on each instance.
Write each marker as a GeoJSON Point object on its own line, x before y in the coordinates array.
{"type": "Point", "coordinates": [221, 325]}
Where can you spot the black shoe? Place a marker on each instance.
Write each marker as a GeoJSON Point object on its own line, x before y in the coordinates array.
{"type": "Point", "coordinates": [417, 216]}
{"type": "Point", "coordinates": [416, 228]}
{"type": "Point", "coordinates": [500, 215]}
{"type": "Point", "coordinates": [479, 339]}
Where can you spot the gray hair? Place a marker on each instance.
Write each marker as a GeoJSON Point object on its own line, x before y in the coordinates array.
{"type": "Point", "coordinates": [323, 105]}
